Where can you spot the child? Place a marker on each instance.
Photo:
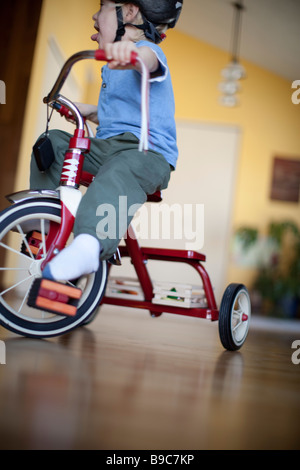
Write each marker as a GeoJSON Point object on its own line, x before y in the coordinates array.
{"type": "Point", "coordinates": [120, 168]}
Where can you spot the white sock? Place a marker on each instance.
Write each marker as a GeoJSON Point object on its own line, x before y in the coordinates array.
{"type": "Point", "coordinates": [81, 257]}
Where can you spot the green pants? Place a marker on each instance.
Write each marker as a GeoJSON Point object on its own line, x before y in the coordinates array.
{"type": "Point", "coordinates": [122, 173]}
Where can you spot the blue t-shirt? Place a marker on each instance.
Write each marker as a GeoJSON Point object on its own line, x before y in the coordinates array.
{"type": "Point", "coordinates": [119, 107]}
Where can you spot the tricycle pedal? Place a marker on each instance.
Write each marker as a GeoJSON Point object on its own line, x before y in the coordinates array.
{"type": "Point", "coordinates": [34, 240]}
{"type": "Point", "coordinates": [54, 297]}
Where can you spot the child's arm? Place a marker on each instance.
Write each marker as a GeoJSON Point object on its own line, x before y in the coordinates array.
{"type": "Point", "coordinates": [119, 54]}
{"type": "Point", "coordinates": [89, 111]}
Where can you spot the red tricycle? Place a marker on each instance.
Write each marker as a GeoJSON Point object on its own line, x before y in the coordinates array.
{"type": "Point", "coordinates": [38, 224]}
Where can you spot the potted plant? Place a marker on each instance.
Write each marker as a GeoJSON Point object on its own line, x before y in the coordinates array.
{"type": "Point", "coordinates": [277, 283]}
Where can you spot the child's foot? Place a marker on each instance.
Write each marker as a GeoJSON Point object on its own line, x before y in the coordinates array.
{"type": "Point", "coordinates": [78, 259]}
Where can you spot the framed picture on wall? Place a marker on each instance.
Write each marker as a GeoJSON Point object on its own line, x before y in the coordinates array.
{"type": "Point", "coordinates": [285, 185]}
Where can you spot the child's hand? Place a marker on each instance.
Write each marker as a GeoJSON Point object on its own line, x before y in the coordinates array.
{"type": "Point", "coordinates": [119, 54]}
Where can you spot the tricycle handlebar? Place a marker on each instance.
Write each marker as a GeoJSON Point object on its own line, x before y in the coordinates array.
{"type": "Point", "coordinates": [97, 55]}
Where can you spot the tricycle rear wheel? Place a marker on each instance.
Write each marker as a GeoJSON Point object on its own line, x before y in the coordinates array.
{"type": "Point", "coordinates": [234, 317]}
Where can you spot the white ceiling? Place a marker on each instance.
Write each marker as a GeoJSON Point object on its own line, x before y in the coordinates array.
{"type": "Point", "coordinates": [270, 34]}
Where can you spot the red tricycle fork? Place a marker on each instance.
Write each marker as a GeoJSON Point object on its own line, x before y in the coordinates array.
{"type": "Point", "coordinates": [139, 257]}
{"type": "Point", "coordinates": [69, 194]}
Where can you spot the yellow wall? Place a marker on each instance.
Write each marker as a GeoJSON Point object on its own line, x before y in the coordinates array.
{"type": "Point", "coordinates": [269, 122]}
{"type": "Point", "coordinates": [70, 22]}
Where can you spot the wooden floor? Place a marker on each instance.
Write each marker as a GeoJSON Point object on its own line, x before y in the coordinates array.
{"type": "Point", "coordinates": [130, 382]}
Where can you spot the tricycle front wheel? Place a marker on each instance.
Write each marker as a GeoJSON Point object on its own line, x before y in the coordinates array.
{"type": "Point", "coordinates": [24, 228]}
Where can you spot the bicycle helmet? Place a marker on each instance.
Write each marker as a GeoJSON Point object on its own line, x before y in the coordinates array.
{"type": "Point", "coordinates": [154, 13]}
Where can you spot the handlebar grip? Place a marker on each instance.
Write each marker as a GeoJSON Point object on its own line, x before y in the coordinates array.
{"type": "Point", "coordinates": [100, 55]}
{"type": "Point", "coordinates": [62, 110]}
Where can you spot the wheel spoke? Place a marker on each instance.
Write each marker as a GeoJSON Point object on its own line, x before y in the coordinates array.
{"type": "Point", "coordinates": [13, 269]}
{"type": "Point", "coordinates": [24, 299]}
{"type": "Point", "coordinates": [242, 301]}
{"type": "Point", "coordinates": [16, 285]}
{"type": "Point", "coordinates": [43, 237]}
{"type": "Point", "coordinates": [19, 253]}
{"type": "Point", "coordinates": [24, 239]}
{"type": "Point", "coordinates": [240, 327]}
{"type": "Point", "coordinates": [238, 321]}
{"type": "Point", "coordinates": [239, 310]}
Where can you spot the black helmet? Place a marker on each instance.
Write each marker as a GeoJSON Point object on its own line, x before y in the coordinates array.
{"type": "Point", "coordinates": [161, 11]}
{"type": "Point", "coordinates": [154, 13]}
